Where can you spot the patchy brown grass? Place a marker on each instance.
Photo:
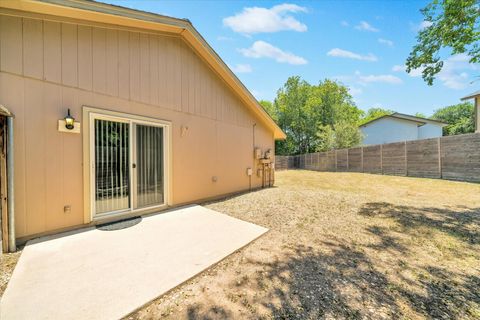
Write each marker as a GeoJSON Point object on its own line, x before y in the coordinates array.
{"type": "Point", "coordinates": [340, 246]}
{"type": "Point", "coordinates": [343, 246]}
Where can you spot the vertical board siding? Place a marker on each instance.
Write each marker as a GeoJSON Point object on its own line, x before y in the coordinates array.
{"type": "Point", "coordinates": [124, 64]}
{"type": "Point", "coordinates": [54, 195]}
{"type": "Point", "coordinates": [144, 68]}
{"type": "Point", "coordinates": [52, 51]}
{"type": "Point", "coordinates": [153, 55]}
{"type": "Point", "coordinates": [153, 69]}
{"type": "Point", "coordinates": [11, 49]}
{"type": "Point", "coordinates": [112, 62]}
{"type": "Point", "coordinates": [99, 60]}
{"type": "Point", "coordinates": [69, 55]}
{"type": "Point", "coordinates": [35, 156]}
{"type": "Point", "coordinates": [85, 64]}
{"type": "Point", "coordinates": [48, 66]}
{"type": "Point", "coordinates": [33, 48]}
{"type": "Point", "coordinates": [134, 66]}
{"type": "Point", "coordinates": [162, 72]}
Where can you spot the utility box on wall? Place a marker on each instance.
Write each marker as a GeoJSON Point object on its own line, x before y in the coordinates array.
{"type": "Point", "coordinates": [257, 153]}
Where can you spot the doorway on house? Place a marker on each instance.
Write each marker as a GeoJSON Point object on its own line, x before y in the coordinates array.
{"type": "Point", "coordinates": [128, 161]}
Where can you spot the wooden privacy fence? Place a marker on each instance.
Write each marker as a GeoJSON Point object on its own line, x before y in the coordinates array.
{"type": "Point", "coordinates": [450, 157]}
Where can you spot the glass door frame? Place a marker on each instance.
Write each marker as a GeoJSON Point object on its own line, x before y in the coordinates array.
{"type": "Point", "coordinates": [90, 114]}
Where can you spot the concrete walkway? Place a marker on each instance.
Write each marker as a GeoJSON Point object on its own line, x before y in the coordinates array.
{"type": "Point", "coordinates": [96, 274]}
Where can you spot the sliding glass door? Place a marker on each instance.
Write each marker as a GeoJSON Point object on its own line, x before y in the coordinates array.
{"type": "Point", "coordinates": [149, 166]}
{"type": "Point", "coordinates": [112, 166]}
{"type": "Point", "coordinates": [129, 165]}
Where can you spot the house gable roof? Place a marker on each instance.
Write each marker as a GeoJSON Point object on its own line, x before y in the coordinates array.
{"type": "Point", "coordinates": [116, 15]}
{"type": "Point", "coordinates": [472, 95]}
{"type": "Point", "coordinates": [418, 120]}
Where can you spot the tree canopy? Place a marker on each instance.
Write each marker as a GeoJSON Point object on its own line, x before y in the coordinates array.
{"type": "Point", "coordinates": [312, 114]}
{"type": "Point", "coordinates": [460, 118]}
{"type": "Point", "coordinates": [453, 24]}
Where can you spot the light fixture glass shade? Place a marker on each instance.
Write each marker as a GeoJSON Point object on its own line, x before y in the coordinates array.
{"type": "Point", "coordinates": [69, 121]}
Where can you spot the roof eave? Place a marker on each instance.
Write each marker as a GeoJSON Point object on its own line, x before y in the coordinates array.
{"type": "Point", "coordinates": [472, 96]}
{"type": "Point", "coordinates": [109, 14]}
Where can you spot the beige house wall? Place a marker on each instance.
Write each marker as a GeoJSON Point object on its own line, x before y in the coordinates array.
{"type": "Point", "coordinates": [48, 66]}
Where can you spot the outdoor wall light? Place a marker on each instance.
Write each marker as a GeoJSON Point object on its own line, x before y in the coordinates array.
{"type": "Point", "coordinates": [69, 121]}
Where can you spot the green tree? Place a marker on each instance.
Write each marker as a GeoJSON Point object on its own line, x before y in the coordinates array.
{"type": "Point", "coordinates": [342, 135]}
{"type": "Point", "coordinates": [269, 108]}
{"type": "Point", "coordinates": [293, 116]}
{"type": "Point", "coordinates": [453, 24]}
{"type": "Point", "coordinates": [374, 113]}
{"type": "Point", "coordinates": [460, 118]}
{"type": "Point", "coordinates": [304, 110]}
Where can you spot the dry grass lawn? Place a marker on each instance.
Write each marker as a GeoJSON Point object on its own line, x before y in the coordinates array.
{"type": "Point", "coordinates": [343, 246]}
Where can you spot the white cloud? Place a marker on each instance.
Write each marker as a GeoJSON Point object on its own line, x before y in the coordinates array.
{"type": "Point", "coordinates": [354, 91]}
{"type": "Point", "coordinates": [262, 49]}
{"type": "Point", "coordinates": [340, 53]}
{"type": "Point", "coordinates": [382, 78]}
{"type": "Point", "coordinates": [365, 80]}
{"type": "Point", "coordinates": [344, 23]}
{"type": "Point", "coordinates": [385, 42]}
{"type": "Point", "coordinates": [242, 68]}
{"type": "Point", "coordinates": [223, 38]}
{"type": "Point", "coordinates": [454, 74]}
{"type": "Point", "coordinates": [416, 27]}
{"type": "Point", "coordinates": [256, 20]}
{"type": "Point", "coordinates": [398, 68]}
{"type": "Point", "coordinates": [365, 26]}
{"type": "Point", "coordinates": [425, 24]}
{"type": "Point", "coordinates": [402, 68]}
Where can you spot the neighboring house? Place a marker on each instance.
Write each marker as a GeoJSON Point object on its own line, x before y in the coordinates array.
{"type": "Point", "coordinates": [400, 127]}
{"type": "Point", "coordinates": [163, 120]}
{"type": "Point", "coordinates": [476, 98]}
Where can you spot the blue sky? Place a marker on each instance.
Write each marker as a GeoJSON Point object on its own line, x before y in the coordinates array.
{"type": "Point", "coordinates": [363, 44]}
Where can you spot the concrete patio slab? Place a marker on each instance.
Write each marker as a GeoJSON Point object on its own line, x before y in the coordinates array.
{"type": "Point", "coordinates": [97, 274]}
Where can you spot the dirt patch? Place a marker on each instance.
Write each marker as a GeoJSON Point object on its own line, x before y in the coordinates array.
{"type": "Point", "coordinates": [8, 262]}
{"type": "Point", "coordinates": [340, 246]}
{"type": "Point", "coordinates": [344, 246]}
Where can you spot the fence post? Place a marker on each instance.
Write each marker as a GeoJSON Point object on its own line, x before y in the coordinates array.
{"type": "Point", "coordinates": [348, 162]}
{"type": "Point", "coordinates": [336, 165]}
{"type": "Point", "coordinates": [406, 159]}
{"type": "Point", "coordinates": [381, 158]}
{"type": "Point", "coordinates": [363, 170]}
{"type": "Point", "coordinates": [439, 158]}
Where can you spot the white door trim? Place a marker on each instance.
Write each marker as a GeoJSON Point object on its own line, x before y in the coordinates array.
{"type": "Point", "coordinates": [90, 113]}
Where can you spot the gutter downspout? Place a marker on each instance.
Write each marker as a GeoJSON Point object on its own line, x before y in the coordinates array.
{"type": "Point", "coordinates": [12, 247]}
